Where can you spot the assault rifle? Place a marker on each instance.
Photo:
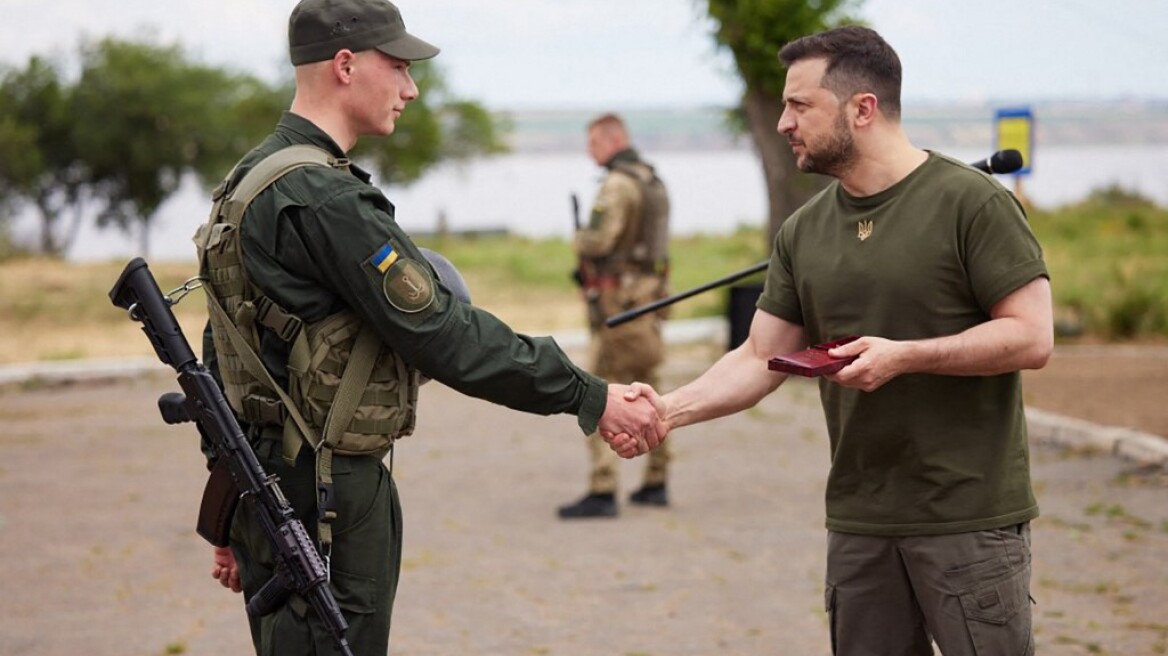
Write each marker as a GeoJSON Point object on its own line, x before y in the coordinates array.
{"type": "Point", "coordinates": [299, 567]}
{"type": "Point", "coordinates": [580, 274]}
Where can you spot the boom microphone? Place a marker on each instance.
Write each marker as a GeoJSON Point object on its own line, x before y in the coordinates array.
{"type": "Point", "coordinates": [1003, 161]}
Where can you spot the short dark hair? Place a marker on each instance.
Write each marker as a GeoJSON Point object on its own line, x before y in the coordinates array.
{"type": "Point", "coordinates": [858, 61]}
{"type": "Point", "coordinates": [608, 121]}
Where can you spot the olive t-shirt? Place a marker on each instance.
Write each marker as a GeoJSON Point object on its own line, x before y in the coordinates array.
{"type": "Point", "coordinates": [929, 257]}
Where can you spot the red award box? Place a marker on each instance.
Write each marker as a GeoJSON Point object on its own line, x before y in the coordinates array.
{"type": "Point", "coordinates": [813, 361]}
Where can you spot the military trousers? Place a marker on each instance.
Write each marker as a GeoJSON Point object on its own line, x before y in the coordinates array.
{"type": "Point", "coordinates": [967, 592]}
{"type": "Point", "coordinates": [626, 354]}
{"type": "Point", "coordinates": [365, 560]}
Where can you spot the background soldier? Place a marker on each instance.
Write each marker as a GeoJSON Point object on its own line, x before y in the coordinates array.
{"type": "Point", "coordinates": [623, 256]}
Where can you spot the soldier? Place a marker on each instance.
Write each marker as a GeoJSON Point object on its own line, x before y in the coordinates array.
{"type": "Point", "coordinates": [320, 301]}
{"type": "Point", "coordinates": [623, 256]}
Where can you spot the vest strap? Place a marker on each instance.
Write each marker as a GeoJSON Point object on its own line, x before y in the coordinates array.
{"type": "Point", "coordinates": [230, 209]}
{"type": "Point", "coordinates": [273, 317]}
{"type": "Point", "coordinates": [255, 366]}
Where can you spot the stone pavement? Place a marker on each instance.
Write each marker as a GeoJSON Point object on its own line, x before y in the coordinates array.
{"type": "Point", "coordinates": [98, 553]}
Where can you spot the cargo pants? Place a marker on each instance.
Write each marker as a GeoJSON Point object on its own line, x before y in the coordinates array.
{"type": "Point", "coordinates": [967, 592]}
{"type": "Point", "coordinates": [626, 353]}
{"type": "Point", "coordinates": [365, 561]}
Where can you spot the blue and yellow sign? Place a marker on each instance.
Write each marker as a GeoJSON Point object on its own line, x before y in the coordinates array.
{"type": "Point", "coordinates": [1015, 129]}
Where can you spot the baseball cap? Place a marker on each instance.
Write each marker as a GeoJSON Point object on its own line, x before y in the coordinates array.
{"type": "Point", "coordinates": [318, 29]}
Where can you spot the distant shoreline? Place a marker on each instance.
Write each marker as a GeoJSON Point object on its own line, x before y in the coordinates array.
{"type": "Point", "coordinates": [941, 125]}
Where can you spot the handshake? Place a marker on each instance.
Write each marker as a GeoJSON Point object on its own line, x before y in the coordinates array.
{"type": "Point", "coordinates": [633, 422]}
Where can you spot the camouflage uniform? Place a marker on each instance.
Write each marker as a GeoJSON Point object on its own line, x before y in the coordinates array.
{"type": "Point", "coordinates": [619, 276]}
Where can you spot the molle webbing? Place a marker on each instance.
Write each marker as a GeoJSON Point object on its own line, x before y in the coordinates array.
{"type": "Point", "coordinates": [649, 250]}
{"type": "Point", "coordinates": [348, 394]}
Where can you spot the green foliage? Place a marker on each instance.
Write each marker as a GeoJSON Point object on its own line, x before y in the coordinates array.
{"type": "Point", "coordinates": [516, 263]}
{"type": "Point", "coordinates": [142, 116]}
{"type": "Point", "coordinates": [1108, 271]}
{"type": "Point", "coordinates": [146, 115]}
{"type": "Point", "coordinates": [508, 261]}
{"type": "Point", "coordinates": [39, 161]}
{"type": "Point", "coordinates": [755, 30]}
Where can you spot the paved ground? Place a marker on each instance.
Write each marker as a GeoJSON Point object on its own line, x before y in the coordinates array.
{"type": "Point", "coordinates": [98, 554]}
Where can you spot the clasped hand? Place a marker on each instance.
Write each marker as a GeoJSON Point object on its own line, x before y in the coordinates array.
{"type": "Point", "coordinates": [633, 423]}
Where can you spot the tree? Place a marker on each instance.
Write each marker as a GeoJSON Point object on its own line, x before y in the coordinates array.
{"type": "Point", "coordinates": [754, 31]}
{"type": "Point", "coordinates": [145, 116]}
{"type": "Point", "coordinates": [39, 161]}
{"type": "Point", "coordinates": [142, 117]}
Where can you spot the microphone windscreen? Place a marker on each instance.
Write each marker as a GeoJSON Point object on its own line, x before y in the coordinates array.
{"type": "Point", "coordinates": [1006, 161]}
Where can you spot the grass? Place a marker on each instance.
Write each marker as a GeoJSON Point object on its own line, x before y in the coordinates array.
{"type": "Point", "coordinates": [1108, 264]}
{"type": "Point", "coordinates": [1106, 256]}
{"type": "Point", "coordinates": [499, 270]}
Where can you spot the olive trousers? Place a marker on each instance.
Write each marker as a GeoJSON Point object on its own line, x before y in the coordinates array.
{"type": "Point", "coordinates": [967, 592]}
{"type": "Point", "coordinates": [365, 559]}
{"type": "Point", "coordinates": [625, 354]}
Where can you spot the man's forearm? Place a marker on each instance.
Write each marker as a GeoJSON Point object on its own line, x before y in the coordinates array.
{"type": "Point", "coordinates": [737, 381]}
{"type": "Point", "coordinates": [995, 347]}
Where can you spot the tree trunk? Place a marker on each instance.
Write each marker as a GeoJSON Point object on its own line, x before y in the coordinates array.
{"type": "Point", "coordinates": [49, 245]}
{"type": "Point", "coordinates": [144, 239]}
{"type": "Point", "coordinates": [74, 225]}
{"type": "Point", "coordinates": [787, 187]}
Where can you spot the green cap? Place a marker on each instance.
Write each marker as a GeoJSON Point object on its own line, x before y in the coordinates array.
{"type": "Point", "coordinates": [318, 29]}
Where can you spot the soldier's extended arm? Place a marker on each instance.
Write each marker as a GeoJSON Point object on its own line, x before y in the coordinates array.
{"type": "Point", "coordinates": [299, 567]}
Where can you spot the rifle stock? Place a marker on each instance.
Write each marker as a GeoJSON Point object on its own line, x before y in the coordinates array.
{"type": "Point", "coordinates": [629, 315]}
{"type": "Point", "coordinates": [299, 567]}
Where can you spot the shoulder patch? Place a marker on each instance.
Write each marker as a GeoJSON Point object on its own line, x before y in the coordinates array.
{"type": "Point", "coordinates": [408, 285]}
{"type": "Point", "coordinates": [596, 219]}
{"type": "Point", "coordinates": [383, 258]}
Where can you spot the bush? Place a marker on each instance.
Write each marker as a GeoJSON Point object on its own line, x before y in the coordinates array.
{"type": "Point", "coordinates": [1108, 270]}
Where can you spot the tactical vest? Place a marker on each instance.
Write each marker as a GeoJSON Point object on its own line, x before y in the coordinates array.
{"type": "Point", "coordinates": [649, 249]}
{"type": "Point", "coordinates": [348, 393]}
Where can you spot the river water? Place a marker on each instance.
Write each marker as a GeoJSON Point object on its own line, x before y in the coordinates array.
{"type": "Point", "coordinates": [712, 192]}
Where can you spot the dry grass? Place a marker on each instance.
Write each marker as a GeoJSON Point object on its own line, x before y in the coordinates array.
{"type": "Point", "coordinates": [51, 310]}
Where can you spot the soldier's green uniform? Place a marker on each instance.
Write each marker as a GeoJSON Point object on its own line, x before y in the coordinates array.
{"type": "Point", "coordinates": [623, 271]}
{"type": "Point", "coordinates": [320, 240]}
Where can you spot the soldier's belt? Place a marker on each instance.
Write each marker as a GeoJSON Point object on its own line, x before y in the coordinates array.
{"type": "Point", "coordinates": [604, 282]}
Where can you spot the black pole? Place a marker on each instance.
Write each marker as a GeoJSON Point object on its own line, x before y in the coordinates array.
{"type": "Point", "coordinates": [629, 315]}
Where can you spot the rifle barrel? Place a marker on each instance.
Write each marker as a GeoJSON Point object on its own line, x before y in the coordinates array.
{"type": "Point", "coordinates": [576, 213]}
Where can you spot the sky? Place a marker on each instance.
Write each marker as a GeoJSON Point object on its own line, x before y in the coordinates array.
{"type": "Point", "coordinates": [628, 54]}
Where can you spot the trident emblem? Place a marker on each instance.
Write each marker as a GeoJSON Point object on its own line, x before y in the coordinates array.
{"type": "Point", "coordinates": [864, 229]}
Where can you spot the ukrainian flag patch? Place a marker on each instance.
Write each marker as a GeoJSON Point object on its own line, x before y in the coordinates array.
{"type": "Point", "coordinates": [384, 258]}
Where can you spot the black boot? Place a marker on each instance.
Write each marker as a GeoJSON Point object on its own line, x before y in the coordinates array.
{"type": "Point", "coordinates": [592, 505]}
{"type": "Point", "coordinates": [650, 495]}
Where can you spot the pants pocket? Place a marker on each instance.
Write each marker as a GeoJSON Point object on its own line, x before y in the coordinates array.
{"type": "Point", "coordinates": [354, 593]}
{"type": "Point", "coordinates": [997, 608]}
